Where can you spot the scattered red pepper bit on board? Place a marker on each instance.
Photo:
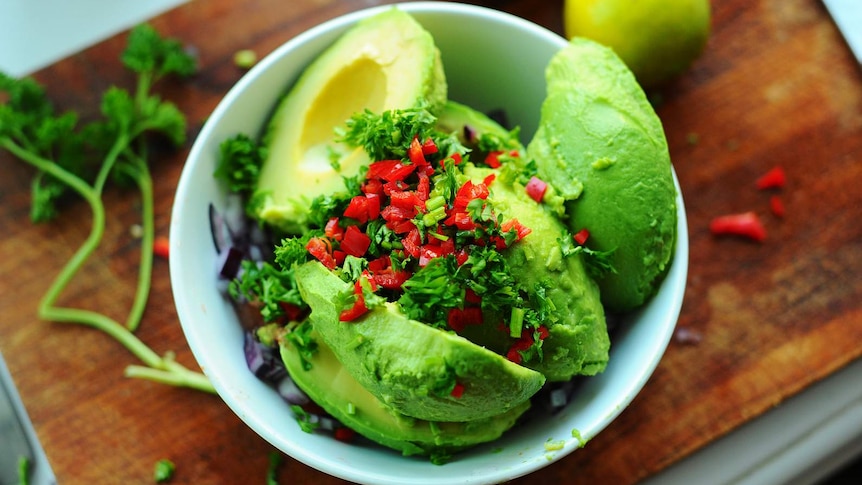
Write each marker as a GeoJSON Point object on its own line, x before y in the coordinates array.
{"type": "Point", "coordinates": [161, 247]}
{"type": "Point", "coordinates": [746, 224]}
{"type": "Point", "coordinates": [776, 206]}
{"type": "Point", "coordinates": [773, 179]}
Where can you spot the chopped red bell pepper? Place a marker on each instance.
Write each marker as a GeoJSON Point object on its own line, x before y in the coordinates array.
{"type": "Point", "coordinates": [161, 247]}
{"type": "Point", "coordinates": [746, 224]}
{"type": "Point", "coordinates": [536, 188]}
{"type": "Point", "coordinates": [363, 208]}
{"type": "Point", "coordinates": [493, 159]}
{"type": "Point", "coordinates": [458, 390]}
{"type": "Point", "coordinates": [412, 243]}
{"type": "Point", "coordinates": [776, 206]}
{"type": "Point", "coordinates": [429, 147]}
{"type": "Point", "coordinates": [344, 434]}
{"type": "Point", "coordinates": [332, 230]}
{"type": "Point", "coordinates": [459, 318]}
{"type": "Point", "coordinates": [581, 236]}
{"type": "Point", "coordinates": [321, 248]}
{"type": "Point", "coordinates": [390, 170]}
{"type": "Point", "coordinates": [355, 242]}
{"type": "Point", "coordinates": [773, 179]}
{"type": "Point", "coordinates": [359, 308]}
{"type": "Point", "coordinates": [415, 153]}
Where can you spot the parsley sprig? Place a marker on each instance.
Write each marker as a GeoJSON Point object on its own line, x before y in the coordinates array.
{"type": "Point", "coordinates": [70, 159]}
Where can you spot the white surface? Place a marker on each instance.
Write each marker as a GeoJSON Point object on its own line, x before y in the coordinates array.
{"type": "Point", "coordinates": [800, 442]}
{"type": "Point", "coordinates": [848, 17]}
{"type": "Point", "coordinates": [36, 33]}
{"type": "Point", "coordinates": [211, 325]}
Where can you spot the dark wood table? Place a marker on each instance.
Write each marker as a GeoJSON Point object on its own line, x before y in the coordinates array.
{"type": "Point", "coordinates": [775, 87]}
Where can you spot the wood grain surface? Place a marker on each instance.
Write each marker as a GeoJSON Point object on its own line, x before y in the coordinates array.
{"type": "Point", "coordinates": [775, 87]}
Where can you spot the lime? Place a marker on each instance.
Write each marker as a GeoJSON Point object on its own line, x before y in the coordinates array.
{"type": "Point", "coordinates": [657, 39]}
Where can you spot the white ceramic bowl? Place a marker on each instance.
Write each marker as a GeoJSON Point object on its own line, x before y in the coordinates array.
{"type": "Point", "coordinates": [492, 60]}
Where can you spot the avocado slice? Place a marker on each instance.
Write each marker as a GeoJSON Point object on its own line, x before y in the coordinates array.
{"type": "Point", "coordinates": [334, 389]}
{"type": "Point", "coordinates": [602, 146]}
{"type": "Point", "coordinates": [386, 61]}
{"type": "Point", "coordinates": [578, 341]}
{"type": "Point", "coordinates": [461, 119]}
{"type": "Point", "coordinates": [410, 366]}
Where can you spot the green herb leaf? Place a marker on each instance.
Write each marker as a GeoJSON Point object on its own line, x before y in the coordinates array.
{"type": "Point", "coordinates": [240, 162]}
{"type": "Point", "coordinates": [164, 470]}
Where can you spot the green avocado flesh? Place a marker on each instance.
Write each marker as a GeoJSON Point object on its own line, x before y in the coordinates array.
{"type": "Point", "coordinates": [602, 147]}
{"type": "Point", "coordinates": [334, 389]}
{"type": "Point", "coordinates": [411, 366]}
{"type": "Point", "coordinates": [387, 61]}
{"type": "Point", "coordinates": [578, 343]}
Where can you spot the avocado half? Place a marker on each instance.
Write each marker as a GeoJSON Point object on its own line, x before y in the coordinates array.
{"type": "Point", "coordinates": [387, 61]}
{"type": "Point", "coordinates": [334, 389]}
{"type": "Point", "coordinates": [602, 146]}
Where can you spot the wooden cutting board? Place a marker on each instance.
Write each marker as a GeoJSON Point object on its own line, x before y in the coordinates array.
{"type": "Point", "coordinates": [775, 87]}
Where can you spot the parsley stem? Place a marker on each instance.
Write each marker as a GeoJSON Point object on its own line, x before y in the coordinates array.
{"type": "Point", "coordinates": [180, 377]}
{"type": "Point", "coordinates": [140, 172]}
{"type": "Point", "coordinates": [47, 311]}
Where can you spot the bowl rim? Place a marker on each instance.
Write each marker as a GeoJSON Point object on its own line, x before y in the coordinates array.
{"type": "Point", "coordinates": [673, 285]}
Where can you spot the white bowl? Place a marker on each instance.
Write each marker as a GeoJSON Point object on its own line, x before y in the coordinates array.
{"type": "Point", "coordinates": [492, 60]}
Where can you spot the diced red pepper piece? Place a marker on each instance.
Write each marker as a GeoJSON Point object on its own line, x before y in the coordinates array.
{"type": "Point", "coordinates": [429, 147]}
{"type": "Point", "coordinates": [461, 220]}
{"type": "Point", "coordinates": [344, 434]}
{"type": "Point", "coordinates": [390, 170]}
{"type": "Point", "coordinates": [321, 249]}
{"type": "Point", "coordinates": [489, 179]}
{"type": "Point", "coordinates": [379, 264]}
{"type": "Point", "coordinates": [355, 242]}
{"type": "Point", "coordinates": [406, 199]}
{"type": "Point", "coordinates": [372, 186]}
{"type": "Point", "coordinates": [291, 311]}
{"type": "Point", "coordinates": [461, 256]}
{"type": "Point", "coordinates": [415, 153]}
{"type": "Point", "coordinates": [339, 256]}
{"type": "Point", "coordinates": [776, 206]}
{"type": "Point", "coordinates": [536, 188]}
{"type": "Point", "coordinates": [514, 356]}
{"type": "Point", "coordinates": [581, 236]}
{"type": "Point", "coordinates": [521, 231]}
{"type": "Point", "coordinates": [359, 208]}
{"type": "Point", "coordinates": [456, 157]}
{"type": "Point", "coordinates": [746, 224]}
{"type": "Point", "coordinates": [543, 332]}
{"type": "Point", "coordinates": [161, 247]}
{"type": "Point", "coordinates": [492, 159]}
{"type": "Point", "coordinates": [391, 279]}
{"type": "Point", "coordinates": [773, 179]}
{"type": "Point", "coordinates": [459, 318]}
{"type": "Point", "coordinates": [458, 390]}
{"type": "Point", "coordinates": [359, 308]}
{"type": "Point", "coordinates": [412, 243]}
{"type": "Point", "coordinates": [332, 230]}
{"type": "Point", "coordinates": [423, 188]}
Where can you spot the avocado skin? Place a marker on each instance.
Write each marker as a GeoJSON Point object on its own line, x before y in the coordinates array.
{"type": "Point", "coordinates": [578, 343]}
{"type": "Point", "coordinates": [602, 147]}
{"type": "Point", "coordinates": [402, 361]}
{"type": "Point", "coordinates": [384, 62]}
{"type": "Point", "coordinates": [329, 385]}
